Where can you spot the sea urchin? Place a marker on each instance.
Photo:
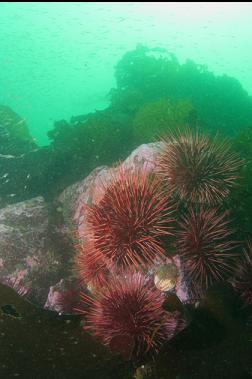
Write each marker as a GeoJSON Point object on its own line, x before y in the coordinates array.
{"type": "Point", "coordinates": [126, 226]}
{"type": "Point", "coordinates": [197, 169]}
{"type": "Point", "coordinates": [205, 247]}
{"type": "Point", "coordinates": [128, 311]}
{"type": "Point", "coordinates": [242, 281]}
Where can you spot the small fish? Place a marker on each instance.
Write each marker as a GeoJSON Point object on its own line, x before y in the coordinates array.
{"type": "Point", "coordinates": [3, 132]}
{"type": "Point", "coordinates": [7, 156]}
{"type": "Point", "coordinates": [20, 122]}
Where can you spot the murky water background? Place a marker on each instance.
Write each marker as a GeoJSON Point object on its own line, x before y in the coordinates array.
{"type": "Point", "coordinates": [57, 60]}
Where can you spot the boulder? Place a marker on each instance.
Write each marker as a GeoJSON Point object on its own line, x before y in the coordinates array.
{"type": "Point", "coordinates": [33, 250]}
{"type": "Point", "coordinates": [89, 190]}
{"type": "Point", "coordinates": [37, 238]}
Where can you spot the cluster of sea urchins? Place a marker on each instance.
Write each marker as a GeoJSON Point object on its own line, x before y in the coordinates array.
{"type": "Point", "coordinates": [125, 232]}
{"type": "Point", "coordinates": [200, 171]}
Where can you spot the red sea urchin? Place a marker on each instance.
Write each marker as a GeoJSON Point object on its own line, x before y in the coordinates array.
{"type": "Point", "coordinates": [92, 267]}
{"type": "Point", "coordinates": [206, 251]}
{"type": "Point", "coordinates": [198, 169]}
{"type": "Point", "coordinates": [242, 282]}
{"type": "Point", "coordinates": [127, 316]}
{"type": "Point", "coordinates": [126, 226]}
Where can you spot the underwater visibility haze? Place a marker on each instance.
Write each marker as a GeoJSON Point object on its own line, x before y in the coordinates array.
{"type": "Point", "coordinates": [125, 190]}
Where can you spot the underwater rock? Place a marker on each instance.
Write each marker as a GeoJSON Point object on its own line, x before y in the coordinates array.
{"type": "Point", "coordinates": [36, 252]}
{"type": "Point", "coordinates": [90, 189]}
{"type": "Point", "coordinates": [64, 297]}
{"type": "Point", "coordinates": [81, 191]}
{"type": "Point", "coordinates": [31, 259]}
{"type": "Point", "coordinates": [38, 343]}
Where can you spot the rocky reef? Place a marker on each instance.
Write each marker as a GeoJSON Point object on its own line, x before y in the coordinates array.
{"type": "Point", "coordinates": [137, 210]}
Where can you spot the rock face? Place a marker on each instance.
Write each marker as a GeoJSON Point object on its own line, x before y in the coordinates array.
{"type": "Point", "coordinates": [89, 190]}
{"type": "Point", "coordinates": [36, 238]}
{"type": "Point", "coordinates": [30, 260]}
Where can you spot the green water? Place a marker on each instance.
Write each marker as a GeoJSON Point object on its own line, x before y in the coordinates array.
{"type": "Point", "coordinates": [57, 59]}
{"type": "Point", "coordinates": [119, 274]}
